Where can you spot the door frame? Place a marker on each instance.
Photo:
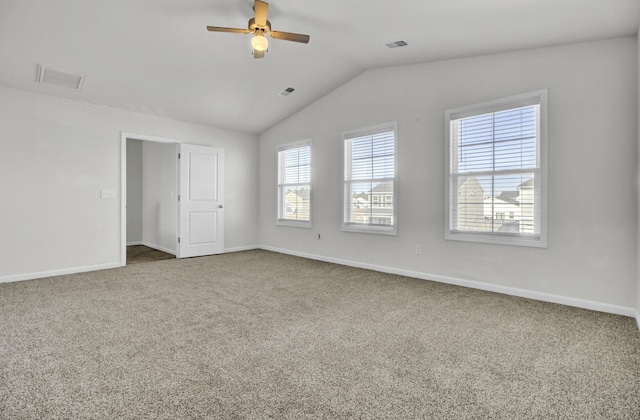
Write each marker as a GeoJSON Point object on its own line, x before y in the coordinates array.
{"type": "Point", "coordinates": [123, 184]}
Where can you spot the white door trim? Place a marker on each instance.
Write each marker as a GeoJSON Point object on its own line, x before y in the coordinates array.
{"type": "Point", "coordinates": [123, 183]}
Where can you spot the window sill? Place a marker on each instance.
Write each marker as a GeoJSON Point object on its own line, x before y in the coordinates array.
{"type": "Point", "coordinates": [377, 230]}
{"type": "Point", "coordinates": [294, 223]}
{"type": "Point", "coordinates": [488, 238]}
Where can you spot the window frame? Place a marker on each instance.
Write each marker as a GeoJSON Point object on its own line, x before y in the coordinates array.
{"type": "Point", "coordinates": [280, 220]}
{"type": "Point", "coordinates": [539, 97]}
{"type": "Point", "coordinates": [380, 229]}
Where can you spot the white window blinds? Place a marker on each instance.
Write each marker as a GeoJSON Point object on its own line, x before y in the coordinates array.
{"type": "Point", "coordinates": [495, 177]}
{"type": "Point", "coordinates": [294, 183]}
{"type": "Point", "coordinates": [369, 179]}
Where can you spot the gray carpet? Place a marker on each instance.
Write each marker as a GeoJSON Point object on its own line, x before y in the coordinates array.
{"type": "Point", "coordinates": [262, 335]}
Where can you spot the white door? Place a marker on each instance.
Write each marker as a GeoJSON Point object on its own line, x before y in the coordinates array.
{"type": "Point", "coordinates": [201, 201]}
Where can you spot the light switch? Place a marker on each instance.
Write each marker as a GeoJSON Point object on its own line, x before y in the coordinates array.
{"type": "Point", "coordinates": [107, 194]}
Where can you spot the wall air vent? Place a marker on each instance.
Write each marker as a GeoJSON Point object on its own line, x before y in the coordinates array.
{"type": "Point", "coordinates": [286, 92]}
{"type": "Point", "coordinates": [59, 78]}
{"type": "Point", "coordinates": [397, 44]}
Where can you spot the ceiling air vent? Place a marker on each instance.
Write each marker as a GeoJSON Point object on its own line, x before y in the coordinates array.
{"type": "Point", "coordinates": [286, 92]}
{"type": "Point", "coordinates": [59, 78]}
{"type": "Point", "coordinates": [397, 44]}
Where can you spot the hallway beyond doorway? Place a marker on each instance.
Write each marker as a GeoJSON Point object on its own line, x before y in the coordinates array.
{"type": "Point", "coordinates": [141, 254]}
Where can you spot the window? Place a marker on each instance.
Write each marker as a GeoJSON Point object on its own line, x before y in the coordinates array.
{"type": "Point", "coordinates": [497, 167]}
{"type": "Point", "coordinates": [294, 184]}
{"type": "Point", "coordinates": [370, 193]}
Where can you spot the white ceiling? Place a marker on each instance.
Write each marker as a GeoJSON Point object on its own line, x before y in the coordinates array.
{"type": "Point", "coordinates": [156, 56]}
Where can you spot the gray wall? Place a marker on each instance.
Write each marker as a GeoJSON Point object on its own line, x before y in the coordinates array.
{"type": "Point", "coordinates": [159, 196]}
{"type": "Point", "coordinates": [134, 192]}
{"type": "Point", "coordinates": [638, 192]}
{"type": "Point", "coordinates": [591, 257]}
{"type": "Point", "coordinates": [57, 154]}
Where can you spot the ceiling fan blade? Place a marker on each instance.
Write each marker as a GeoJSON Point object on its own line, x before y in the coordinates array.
{"type": "Point", "coordinates": [232, 30]}
{"type": "Point", "coordinates": [288, 36]}
{"type": "Point", "coordinates": [258, 54]}
{"type": "Point", "coordinates": [262, 9]}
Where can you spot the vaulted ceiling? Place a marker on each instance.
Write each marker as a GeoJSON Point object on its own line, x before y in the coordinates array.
{"type": "Point", "coordinates": [156, 56]}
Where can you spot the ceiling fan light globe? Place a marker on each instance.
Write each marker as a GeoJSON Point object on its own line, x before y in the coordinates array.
{"type": "Point", "coordinates": [259, 42]}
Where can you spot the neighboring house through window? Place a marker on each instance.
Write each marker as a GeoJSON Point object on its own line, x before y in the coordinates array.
{"type": "Point", "coordinates": [370, 192]}
{"type": "Point", "coordinates": [294, 184]}
{"type": "Point", "coordinates": [497, 160]}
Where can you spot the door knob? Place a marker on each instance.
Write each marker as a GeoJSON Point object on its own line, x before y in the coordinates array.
{"type": "Point", "coordinates": [220, 206]}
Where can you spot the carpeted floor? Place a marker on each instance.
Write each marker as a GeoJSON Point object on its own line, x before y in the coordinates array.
{"type": "Point", "coordinates": [257, 334]}
{"type": "Point", "coordinates": [137, 254]}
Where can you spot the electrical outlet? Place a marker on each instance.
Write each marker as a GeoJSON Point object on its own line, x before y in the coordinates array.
{"type": "Point", "coordinates": [418, 249]}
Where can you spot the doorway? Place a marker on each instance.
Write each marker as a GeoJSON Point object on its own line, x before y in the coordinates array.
{"type": "Point", "coordinates": [151, 204]}
{"type": "Point", "coordinates": [172, 197]}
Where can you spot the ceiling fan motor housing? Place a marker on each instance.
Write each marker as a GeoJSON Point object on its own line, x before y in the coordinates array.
{"type": "Point", "coordinates": [254, 27]}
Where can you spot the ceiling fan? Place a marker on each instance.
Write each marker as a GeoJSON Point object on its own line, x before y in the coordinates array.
{"type": "Point", "coordinates": [259, 26]}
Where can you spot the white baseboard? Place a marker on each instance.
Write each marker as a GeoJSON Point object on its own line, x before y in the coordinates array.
{"type": "Point", "coordinates": [74, 270]}
{"type": "Point", "coordinates": [154, 246]}
{"type": "Point", "coordinates": [241, 248]}
{"type": "Point", "coordinates": [158, 247]}
{"type": "Point", "coordinates": [545, 297]}
{"type": "Point", "coordinates": [62, 272]}
{"type": "Point", "coordinates": [169, 251]}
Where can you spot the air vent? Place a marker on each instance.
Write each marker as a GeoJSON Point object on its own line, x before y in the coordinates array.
{"type": "Point", "coordinates": [59, 78]}
{"type": "Point", "coordinates": [397, 44]}
{"type": "Point", "coordinates": [286, 92]}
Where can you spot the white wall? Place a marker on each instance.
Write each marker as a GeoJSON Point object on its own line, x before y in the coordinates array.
{"type": "Point", "coordinates": [159, 196]}
{"type": "Point", "coordinates": [55, 157]}
{"type": "Point", "coordinates": [591, 258]}
{"type": "Point", "coordinates": [638, 192]}
{"type": "Point", "coordinates": [134, 192]}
